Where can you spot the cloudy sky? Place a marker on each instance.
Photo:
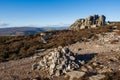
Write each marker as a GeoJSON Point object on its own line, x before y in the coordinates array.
{"type": "Point", "coordinates": [54, 12]}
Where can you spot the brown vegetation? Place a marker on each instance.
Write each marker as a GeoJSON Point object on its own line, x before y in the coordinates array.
{"type": "Point", "coordinates": [114, 41]}
{"type": "Point", "coordinates": [112, 76]}
{"type": "Point", "coordinates": [15, 47]}
{"type": "Point", "coordinates": [108, 76]}
{"type": "Point", "coordinates": [118, 32]}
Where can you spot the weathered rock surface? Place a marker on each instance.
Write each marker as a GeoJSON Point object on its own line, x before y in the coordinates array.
{"type": "Point", "coordinates": [90, 22]}
{"type": "Point", "coordinates": [58, 62]}
{"type": "Point", "coordinates": [75, 74]}
{"type": "Point", "coordinates": [97, 77]}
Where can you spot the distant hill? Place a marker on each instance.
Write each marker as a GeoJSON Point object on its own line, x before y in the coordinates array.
{"type": "Point", "coordinates": [26, 30]}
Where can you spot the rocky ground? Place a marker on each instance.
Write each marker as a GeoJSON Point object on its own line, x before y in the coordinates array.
{"type": "Point", "coordinates": [97, 56]}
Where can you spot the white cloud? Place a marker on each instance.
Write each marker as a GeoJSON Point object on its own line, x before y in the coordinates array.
{"type": "Point", "coordinates": [2, 24]}
{"type": "Point", "coordinates": [57, 25]}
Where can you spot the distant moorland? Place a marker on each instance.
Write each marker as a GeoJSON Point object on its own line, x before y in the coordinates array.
{"type": "Point", "coordinates": [12, 31]}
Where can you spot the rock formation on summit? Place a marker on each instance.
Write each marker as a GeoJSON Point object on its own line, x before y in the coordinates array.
{"type": "Point", "coordinates": [89, 22]}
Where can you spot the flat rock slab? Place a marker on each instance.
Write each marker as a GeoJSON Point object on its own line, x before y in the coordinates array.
{"type": "Point", "coordinates": [75, 74]}
{"type": "Point", "coordinates": [97, 77]}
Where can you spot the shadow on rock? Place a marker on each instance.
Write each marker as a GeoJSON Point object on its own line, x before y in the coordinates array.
{"type": "Point", "coordinates": [85, 57]}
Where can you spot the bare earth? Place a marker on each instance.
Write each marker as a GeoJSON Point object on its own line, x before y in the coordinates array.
{"type": "Point", "coordinates": [106, 53]}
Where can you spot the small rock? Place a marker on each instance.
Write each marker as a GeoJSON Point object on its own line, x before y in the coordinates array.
{"type": "Point", "coordinates": [75, 74]}
{"type": "Point", "coordinates": [79, 49]}
{"type": "Point", "coordinates": [52, 66]}
{"type": "Point", "coordinates": [82, 62]}
{"type": "Point", "coordinates": [84, 69]}
{"type": "Point", "coordinates": [95, 64]}
{"type": "Point", "coordinates": [37, 78]}
{"type": "Point", "coordinates": [34, 66]}
{"type": "Point", "coordinates": [51, 72]}
{"type": "Point", "coordinates": [57, 73]}
{"type": "Point", "coordinates": [115, 27]}
{"type": "Point", "coordinates": [72, 58]}
{"type": "Point", "coordinates": [89, 67]}
{"type": "Point", "coordinates": [66, 50]}
{"type": "Point", "coordinates": [105, 70]}
{"type": "Point", "coordinates": [28, 72]}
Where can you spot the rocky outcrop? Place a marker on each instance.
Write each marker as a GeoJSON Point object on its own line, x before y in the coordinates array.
{"type": "Point", "coordinates": [89, 22]}
{"type": "Point", "coordinates": [58, 62]}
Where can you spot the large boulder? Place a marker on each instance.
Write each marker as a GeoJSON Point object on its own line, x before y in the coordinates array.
{"type": "Point", "coordinates": [90, 22]}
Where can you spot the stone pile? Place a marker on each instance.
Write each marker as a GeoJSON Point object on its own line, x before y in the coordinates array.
{"type": "Point", "coordinates": [90, 22]}
{"type": "Point", "coordinates": [58, 62]}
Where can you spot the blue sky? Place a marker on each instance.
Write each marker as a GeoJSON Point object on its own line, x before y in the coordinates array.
{"type": "Point", "coordinates": [54, 12]}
